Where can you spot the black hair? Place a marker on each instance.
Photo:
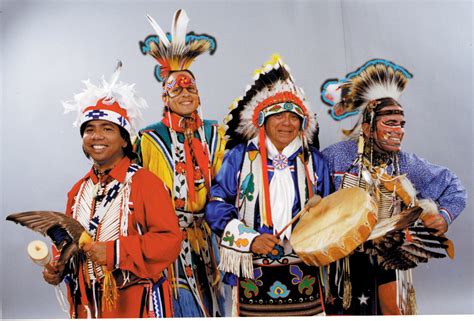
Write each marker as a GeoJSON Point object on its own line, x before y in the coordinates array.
{"type": "Point", "coordinates": [127, 150]}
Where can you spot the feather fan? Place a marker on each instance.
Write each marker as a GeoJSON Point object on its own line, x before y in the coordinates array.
{"type": "Point", "coordinates": [64, 231]}
{"type": "Point", "coordinates": [405, 248]}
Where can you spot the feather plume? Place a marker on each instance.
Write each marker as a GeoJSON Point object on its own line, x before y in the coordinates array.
{"type": "Point", "coordinates": [420, 251]}
{"type": "Point", "coordinates": [179, 26]}
{"type": "Point", "coordinates": [114, 91]}
{"type": "Point", "coordinates": [405, 249]}
{"type": "Point", "coordinates": [396, 222]}
{"type": "Point", "coordinates": [113, 78]}
{"type": "Point", "coordinates": [64, 231]}
{"type": "Point", "coordinates": [428, 206]}
{"type": "Point", "coordinates": [159, 32]}
{"type": "Point", "coordinates": [181, 51]}
{"type": "Point", "coordinates": [348, 96]}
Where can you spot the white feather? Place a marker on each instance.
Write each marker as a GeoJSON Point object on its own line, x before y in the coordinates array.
{"type": "Point", "coordinates": [178, 27]}
{"type": "Point", "coordinates": [333, 93]}
{"type": "Point", "coordinates": [408, 188]}
{"type": "Point", "coordinates": [124, 94]}
{"type": "Point", "coordinates": [159, 32]}
{"type": "Point", "coordinates": [382, 90]}
{"type": "Point", "coordinates": [115, 76]}
{"type": "Point", "coordinates": [428, 206]}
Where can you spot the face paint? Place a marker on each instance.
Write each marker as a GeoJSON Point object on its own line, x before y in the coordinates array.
{"type": "Point", "coordinates": [174, 87]}
{"type": "Point", "coordinates": [389, 132]}
{"type": "Point", "coordinates": [181, 94]}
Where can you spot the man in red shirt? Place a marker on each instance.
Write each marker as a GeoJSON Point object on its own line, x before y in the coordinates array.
{"type": "Point", "coordinates": [125, 209]}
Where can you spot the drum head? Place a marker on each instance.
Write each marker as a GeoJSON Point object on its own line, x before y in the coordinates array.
{"type": "Point", "coordinates": [335, 227]}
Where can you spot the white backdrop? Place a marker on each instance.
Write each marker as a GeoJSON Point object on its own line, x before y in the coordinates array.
{"type": "Point", "coordinates": [48, 47]}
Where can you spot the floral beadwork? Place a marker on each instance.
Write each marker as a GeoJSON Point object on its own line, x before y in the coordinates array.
{"type": "Point", "coordinates": [276, 253]}
{"type": "Point", "coordinates": [296, 271]}
{"type": "Point", "coordinates": [257, 274]}
{"type": "Point", "coordinates": [245, 229]}
{"type": "Point", "coordinates": [250, 288]}
{"type": "Point", "coordinates": [278, 290]}
{"type": "Point", "coordinates": [305, 284]}
{"type": "Point", "coordinates": [180, 168]}
{"type": "Point", "coordinates": [248, 188]}
{"type": "Point", "coordinates": [229, 238]}
{"type": "Point", "coordinates": [241, 242]}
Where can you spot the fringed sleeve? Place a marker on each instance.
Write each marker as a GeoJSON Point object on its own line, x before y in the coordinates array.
{"type": "Point", "coordinates": [235, 254]}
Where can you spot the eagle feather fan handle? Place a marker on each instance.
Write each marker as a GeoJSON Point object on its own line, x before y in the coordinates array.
{"type": "Point", "coordinates": [67, 234]}
{"type": "Point", "coordinates": [39, 253]}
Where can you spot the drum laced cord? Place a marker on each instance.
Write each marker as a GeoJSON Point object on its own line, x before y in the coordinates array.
{"type": "Point", "coordinates": [406, 296]}
{"type": "Point", "coordinates": [347, 287]}
{"type": "Point", "coordinates": [344, 277]}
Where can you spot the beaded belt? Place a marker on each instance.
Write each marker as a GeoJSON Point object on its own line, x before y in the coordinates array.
{"type": "Point", "coordinates": [283, 290]}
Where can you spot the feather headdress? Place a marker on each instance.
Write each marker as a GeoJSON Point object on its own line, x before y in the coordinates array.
{"type": "Point", "coordinates": [178, 50]}
{"type": "Point", "coordinates": [376, 79]}
{"type": "Point", "coordinates": [273, 91]}
{"type": "Point", "coordinates": [112, 100]}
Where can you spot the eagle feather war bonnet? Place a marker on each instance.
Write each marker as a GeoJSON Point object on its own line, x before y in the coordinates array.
{"type": "Point", "coordinates": [273, 91]}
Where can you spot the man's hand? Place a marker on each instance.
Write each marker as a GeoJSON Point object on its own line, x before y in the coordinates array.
{"type": "Point", "coordinates": [263, 244]}
{"type": "Point", "coordinates": [435, 221]}
{"type": "Point", "coordinates": [54, 274]}
{"type": "Point", "coordinates": [96, 251]}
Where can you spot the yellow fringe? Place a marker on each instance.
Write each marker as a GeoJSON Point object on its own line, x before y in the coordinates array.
{"type": "Point", "coordinates": [84, 239]}
{"type": "Point", "coordinates": [347, 296]}
{"type": "Point", "coordinates": [412, 308]}
{"type": "Point", "coordinates": [347, 285]}
{"type": "Point", "coordinates": [109, 292]}
{"type": "Point", "coordinates": [109, 286]}
{"type": "Point", "coordinates": [174, 280]}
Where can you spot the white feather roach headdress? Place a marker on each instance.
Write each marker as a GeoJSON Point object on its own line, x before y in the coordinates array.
{"type": "Point", "coordinates": [360, 92]}
{"type": "Point", "coordinates": [178, 50]}
{"type": "Point", "coordinates": [112, 100]}
{"type": "Point", "coordinates": [376, 79]}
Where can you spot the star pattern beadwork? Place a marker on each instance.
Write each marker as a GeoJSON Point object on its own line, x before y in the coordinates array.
{"type": "Point", "coordinates": [280, 161]}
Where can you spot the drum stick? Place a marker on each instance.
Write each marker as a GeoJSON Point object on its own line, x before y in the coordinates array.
{"type": "Point", "coordinates": [39, 253]}
{"type": "Point", "coordinates": [311, 203]}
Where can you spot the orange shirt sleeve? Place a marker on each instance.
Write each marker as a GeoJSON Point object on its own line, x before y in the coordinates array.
{"type": "Point", "coordinates": [147, 253]}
